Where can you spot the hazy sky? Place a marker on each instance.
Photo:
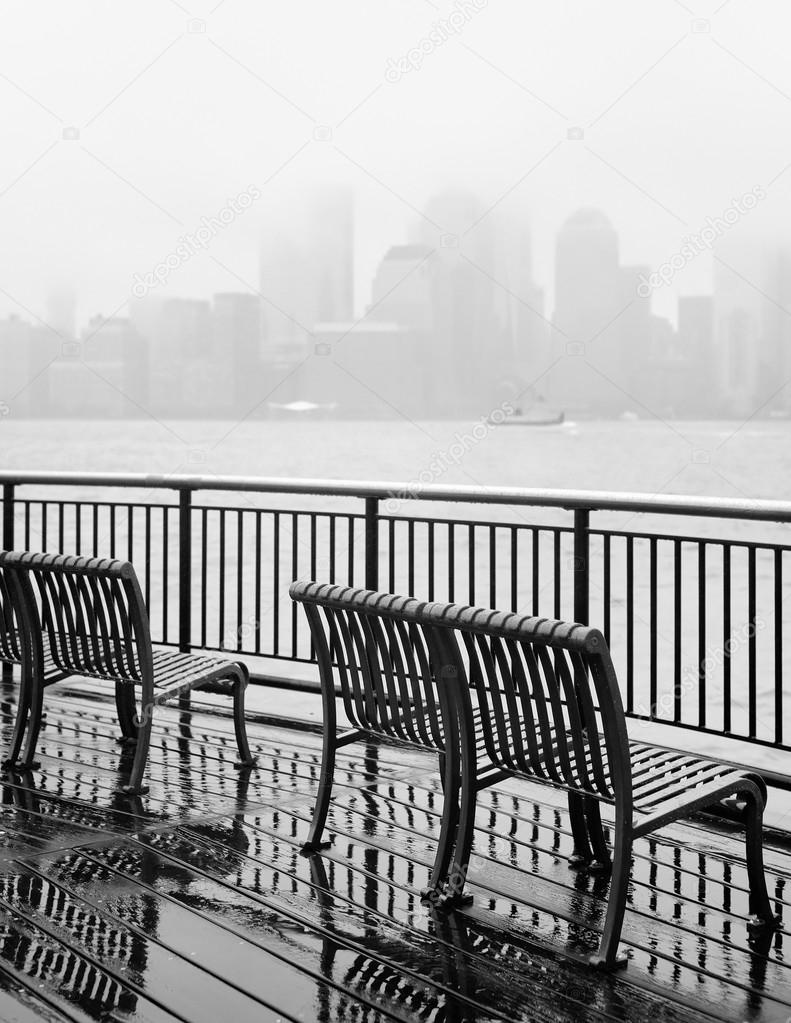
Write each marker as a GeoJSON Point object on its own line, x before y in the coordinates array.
{"type": "Point", "coordinates": [684, 106]}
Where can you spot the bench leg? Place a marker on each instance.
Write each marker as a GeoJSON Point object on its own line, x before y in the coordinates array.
{"type": "Point", "coordinates": [246, 759]}
{"type": "Point", "coordinates": [601, 854]}
{"type": "Point", "coordinates": [125, 707]}
{"type": "Point", "coordinates": [450, 779]}
{"type": "Point", "coordinates": [314, 843]}
{"type": "Point", "coordinates": [20, 725]}
{"type": "Point", "coordinates": [36, 698]}
{"type": "Point", "coordinates": [607, 957]}
{"type": "Point", "coordinates": [581, 854]}
{"type": "Point", "coordinates": [762, 916]}
{"type": "Point", "coordinates": [135, 786]}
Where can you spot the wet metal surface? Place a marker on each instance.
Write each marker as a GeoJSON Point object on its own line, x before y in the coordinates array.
{"type": "Point", "coordinates": [194, 903]}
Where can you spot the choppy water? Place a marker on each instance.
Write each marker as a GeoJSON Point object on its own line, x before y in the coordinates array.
{"type": "Point", "coordinates": [711, 459]}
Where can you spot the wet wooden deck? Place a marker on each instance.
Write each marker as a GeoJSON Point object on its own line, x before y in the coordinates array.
{"type": "Point", "coordinates": [195, 904]}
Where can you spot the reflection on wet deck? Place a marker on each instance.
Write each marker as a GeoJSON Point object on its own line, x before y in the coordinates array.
{"type": "Point", "coordinates": [195, 904]}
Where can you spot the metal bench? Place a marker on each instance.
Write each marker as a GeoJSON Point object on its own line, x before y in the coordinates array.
{"type": "Point", "coordinates": [539, 699]}
{"type": "Point", "coordinates": [62, 616]}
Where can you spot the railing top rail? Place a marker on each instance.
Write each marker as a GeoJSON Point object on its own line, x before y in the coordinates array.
{"type": "Point", "coordinates": [592, 500]}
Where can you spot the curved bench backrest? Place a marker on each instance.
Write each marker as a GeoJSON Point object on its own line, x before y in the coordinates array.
{"type": "Point", "coordinates": [381, 657]}
{"type": "Point", "coordinates": [89, 611]}
{"type": "Point", "coordinates": [10, 638]}
{"type": "Point", "coordinates": [549, 701]}
{"type": "Point", "coordinates": [547, 694]}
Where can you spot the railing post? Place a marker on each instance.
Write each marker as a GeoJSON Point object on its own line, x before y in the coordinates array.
{"type": "Point", "coordinates": [372, 543]}
{"type": "Point", "coordinates": [8, 545]}
{"type": "Point", "coordinates": [584, 817]}
{"type": "Point", "coordinates": [581, 565]}
{"type": "Point", "coordinates": [185, 571]}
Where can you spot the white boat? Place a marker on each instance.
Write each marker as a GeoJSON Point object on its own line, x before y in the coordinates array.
{"type": "Point", "coordinates": [536, 416]}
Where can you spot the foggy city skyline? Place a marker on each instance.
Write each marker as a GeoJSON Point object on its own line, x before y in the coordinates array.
{"type": "Point", "coordinates": [198, 160]}
{"type": "Point", "coordinates": [257, 350]}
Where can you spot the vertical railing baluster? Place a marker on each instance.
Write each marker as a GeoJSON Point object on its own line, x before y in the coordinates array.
{"type": "Point", "coordinates": [702, 656]}
{"type": "Point", "coordinates": [294, 575]}
{"type": "Point", "coordinates": [492, 566]}
{"type": "Point", "coordinates": [8, 545]}
{"type": "Point", "coordinates": [654, 614]}
{"type": "Point", "coordinates": [581, 564]}
{"type": "Point", "coordinates": [451, 561]}
{"type": "Point", "coordinates": [239, 576]}
{"type": "Point", "coordinates": [147, 518]}
{"type": "Point", "coordinates": [165, 572]}
{"type": "Point", "coordinates": [630, 624]}
{"type": "Point", "coordinates": [431, 563]}
{"type": "Point", "coordinates": [410, 546]}
{"type": "Point", "coordinates": [331, 576]}
{"type": "Point", "coordinates": [276, 584]}
{"type": "Point", "coordinates": [391, 557]}
{"type": "Point", "coordinates": [204, 572]}
{"type": "Point", "coordinates": [556, 572]}
{"type": "Point", "coordinates": [471, 564]}
{"type": "Point", "coordinates": [222, 580]}
{"type": "Point", "coordinates": [726, 637]}
{"type": "Point", "coordinates": [752, 644]}
{"type": "Point", "coordinates": [112, 530]}
{"type": "Point", "coordinates": [258, 581]}
{"type": "Point", "coordinates": [607, 587]}
{"type": "Point", "coordinates": [312, 518]}
{"type": "Point", "coordinates": [677, 630]}
{"type": "Point", "coordinates": [350, 568]}
{"type": "Point", "coordinates": [78, 527]}
{"type": "Point", "coordinates": [372, 543]}
{"type": "Point", "coordinates": [514, 569]}
{"type": "Point", "coordinates": [185, 570]}
{"type": "Point", "coordinates": [778, 616]}
{"type": "Point", "coordinates": [536, 570]}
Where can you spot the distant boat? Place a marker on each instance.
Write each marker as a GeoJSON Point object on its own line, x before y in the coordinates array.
{"type": "Point", "coordinates": [302, 407]}
{"type": "Point", "coordinates": [534, 417]}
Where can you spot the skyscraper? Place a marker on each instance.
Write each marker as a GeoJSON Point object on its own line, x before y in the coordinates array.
{"type": "Point", "coordinates": [751, 328]}
{"type": "Point", "coordinates": [588, 289]}
{"type": "Point", "coordinates": [237, 335]}
{"type": "Point", "coordinates": [307, 270]}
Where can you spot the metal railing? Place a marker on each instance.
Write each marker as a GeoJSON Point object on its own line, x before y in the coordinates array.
{"type": "Point", "coordinates": [697, 623]}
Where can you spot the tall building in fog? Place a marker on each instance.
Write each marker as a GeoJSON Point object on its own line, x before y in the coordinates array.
{"type": "Point", "coordinates": [237, 333]}
{"type": "Point", "coordinates": [589, 294]}
{"type": "Point", "coordinates": [183, 381]}
{"type": "Point", "coordinates": [751, 330]}
{"type": "Point", "coordinates": [696, 343]}
{"type": "Point", "coordinates": [470, 350]}
{"type": "Point", "coordinates": [118, 357]}
{"type": "Point", "coordinates": [62, 311]}
{"type": "Point", "coordinates": [331, 254]}
{"type": "Point", "coordinates": [307, 270]}
{"type": "Point", "coordinates": [402, 291]}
